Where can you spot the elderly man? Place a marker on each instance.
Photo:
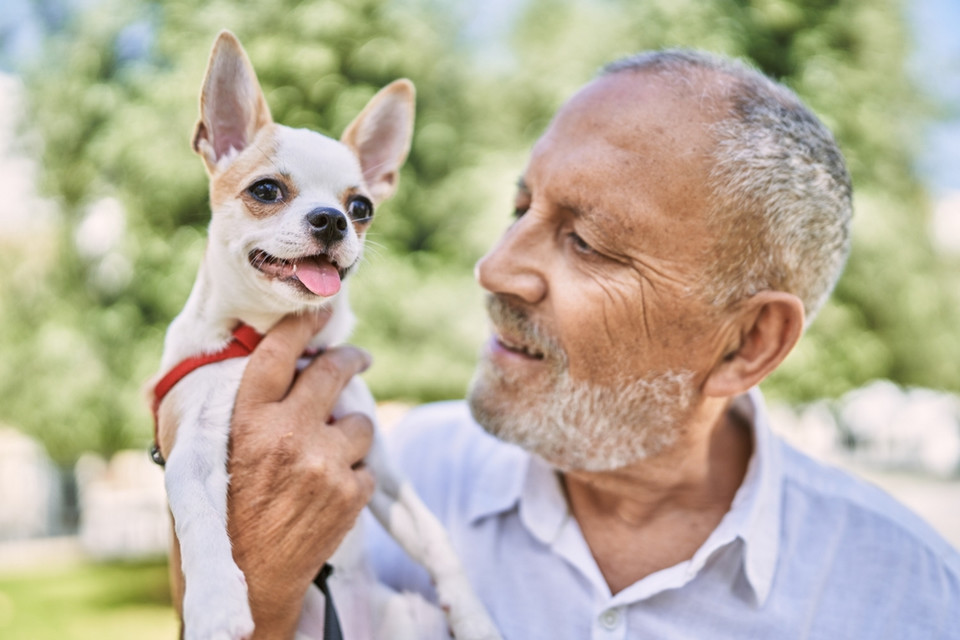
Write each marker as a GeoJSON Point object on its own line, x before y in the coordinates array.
{"type": "Point", "coordinates": [615, 476]}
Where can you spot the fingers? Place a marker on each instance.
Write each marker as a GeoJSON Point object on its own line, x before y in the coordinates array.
{"type": "Point", "coordinates": [366, 484]}
{"type": "Point", "coordinates": [273, 364]}
{"type": "Point", "coordinates": [320, 383]}
{"type": "Point", "coordinates": [358, 432]}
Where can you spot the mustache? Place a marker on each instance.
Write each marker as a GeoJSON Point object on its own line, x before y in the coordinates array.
{"type": "Point", "coordinates": [515, 322]}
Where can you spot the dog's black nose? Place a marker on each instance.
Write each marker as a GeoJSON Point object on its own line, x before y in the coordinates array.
{"type": "Point", "coordinates": [327, 224]}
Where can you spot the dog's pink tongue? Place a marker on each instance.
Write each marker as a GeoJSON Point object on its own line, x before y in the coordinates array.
{"type": "Point", "coordinates": [321, 277]}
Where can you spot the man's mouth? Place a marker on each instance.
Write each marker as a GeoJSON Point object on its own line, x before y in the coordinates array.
{"type": "Point", "coordinates": [515, 346]}
{"type": "Point", "coordinates": [318, 274]}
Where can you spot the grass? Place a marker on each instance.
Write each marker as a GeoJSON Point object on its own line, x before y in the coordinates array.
{"type": "Point", "coordinates": [84, 601]}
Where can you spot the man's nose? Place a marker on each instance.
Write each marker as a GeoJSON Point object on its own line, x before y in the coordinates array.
{"type": "Point", "coordinates": [514, 266]}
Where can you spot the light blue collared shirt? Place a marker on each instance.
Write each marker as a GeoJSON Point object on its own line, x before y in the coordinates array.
{"type": "Point", "coordinates": [805, 551]}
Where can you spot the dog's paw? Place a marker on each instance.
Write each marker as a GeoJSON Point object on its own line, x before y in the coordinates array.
{"type": "Point", "coordinates": [466, 615]}
{"type": "Point", "coordinates": [218, 609]}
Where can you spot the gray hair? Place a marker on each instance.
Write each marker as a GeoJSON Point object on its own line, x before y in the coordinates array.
{"type": "Point", "coordinates": [780, 189]}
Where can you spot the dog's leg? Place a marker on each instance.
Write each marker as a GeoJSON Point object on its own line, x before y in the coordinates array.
{"type": "Point", "coordinates": [215, 603]}
{"type": "Point", "coordinates": [401, 512]}
{"type": "Point", "coordinates": [422, 536]}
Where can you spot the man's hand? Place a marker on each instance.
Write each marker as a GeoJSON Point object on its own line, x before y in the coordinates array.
{"type": "Point", "coordinates": [297, 483]}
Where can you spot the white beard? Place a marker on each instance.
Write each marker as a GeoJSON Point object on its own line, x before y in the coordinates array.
{"type": "Point", "coordinates": [577, 425]}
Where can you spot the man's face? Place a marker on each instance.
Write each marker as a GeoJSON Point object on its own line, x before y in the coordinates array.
{"type": "Point", "coordinates": [600, 338]}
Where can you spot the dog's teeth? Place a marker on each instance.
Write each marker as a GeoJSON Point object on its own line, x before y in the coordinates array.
{"type": "Point", "coordinates": [294, 268]}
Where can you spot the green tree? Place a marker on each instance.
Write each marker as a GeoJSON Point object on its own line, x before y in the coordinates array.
{"type": "Point", "coordinates": [115, 114]}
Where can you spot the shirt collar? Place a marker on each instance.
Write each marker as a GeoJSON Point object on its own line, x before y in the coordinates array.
{"type": "Point", "coordinates": [499, 482]}
{"type": "Point", "coordinates": [543, 504]}
{"type": "Point", "coordinates": [754, 516]}
{"type": "Point", "coordinates": [512, 477]}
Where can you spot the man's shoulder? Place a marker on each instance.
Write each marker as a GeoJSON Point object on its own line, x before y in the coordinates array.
{"type": "Point", "coordinates": [428, 419]}
{"type": "Point", "coordinates": [447, 428]}
{"type": "Point", "coordinates": [443, 451]}
{"type": "Point", "coordinates": [820, 496]}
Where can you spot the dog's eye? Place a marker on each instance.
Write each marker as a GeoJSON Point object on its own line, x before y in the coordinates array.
{"type": "Point", "coordinates": [360, 208]}
{"type": "Point", "coordinates": [266, 191]}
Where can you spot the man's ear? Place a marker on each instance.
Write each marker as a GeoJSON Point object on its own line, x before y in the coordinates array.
{"type": "Point", "coordinates": [380, 136]}
{"type": "Point", "coordinates": [232, 106]}
{"type": "Point", "coordinates": [770, 323]}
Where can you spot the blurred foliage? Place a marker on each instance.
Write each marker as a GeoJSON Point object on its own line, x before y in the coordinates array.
{"type": "Point", "coordinates": [115, 101]}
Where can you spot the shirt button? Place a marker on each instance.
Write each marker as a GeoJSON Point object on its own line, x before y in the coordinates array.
{"type": "Point", "coordinates": [610, 619]}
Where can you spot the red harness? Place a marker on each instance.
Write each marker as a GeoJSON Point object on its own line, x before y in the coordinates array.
{"type": "Point", "coordinates": [245, 340]}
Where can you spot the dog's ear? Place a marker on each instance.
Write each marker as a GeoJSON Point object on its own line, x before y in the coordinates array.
{"type": "Point", "coordinates": [380, 136]}
{"type": "Point", "coordinates": [232, 106]}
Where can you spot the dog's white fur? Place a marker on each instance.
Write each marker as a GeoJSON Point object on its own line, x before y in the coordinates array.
{"type": "Point", "coordinates": [235, 137]}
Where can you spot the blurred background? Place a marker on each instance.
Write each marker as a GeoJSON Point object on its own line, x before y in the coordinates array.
{"type": "Point", "coordinates": [104, 206]}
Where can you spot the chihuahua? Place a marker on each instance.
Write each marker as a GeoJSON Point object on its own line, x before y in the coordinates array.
{"type": "Point", "coordinates": [290, 208]}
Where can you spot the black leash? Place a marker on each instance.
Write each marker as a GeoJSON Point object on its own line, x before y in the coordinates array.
{"type": "Point", "coordinates": [331, 624]}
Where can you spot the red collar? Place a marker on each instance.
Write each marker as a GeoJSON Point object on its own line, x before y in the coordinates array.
{"type": "Point", "coordinates": [245, 340]}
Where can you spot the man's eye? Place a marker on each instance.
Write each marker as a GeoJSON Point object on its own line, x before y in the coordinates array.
{"type": "Point", "coordinates": [360, 208]}
{"type": "Point", "coordinates": [519, 211]}
{"type": "Point", "coordinates": [580, 244]}
{"type": "Point", "coordinates": [268, 191]}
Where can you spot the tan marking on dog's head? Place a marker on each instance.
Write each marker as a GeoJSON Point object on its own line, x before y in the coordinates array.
{"type": "Point", "coordinates": [254, 164]}
{"type": "Point", "coordinates": [348, 194]}
{"type": "Point", "coordinates": [360, 225]}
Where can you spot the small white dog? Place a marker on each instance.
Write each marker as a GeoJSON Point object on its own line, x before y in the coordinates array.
{"type": "Point", "coordinates": [290, 209]}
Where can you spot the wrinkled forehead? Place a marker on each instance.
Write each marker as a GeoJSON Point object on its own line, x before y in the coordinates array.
{"type": "Point", "coordinates": [635, 141]}
{"type": "Point", "coordinates": [665, 122]}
